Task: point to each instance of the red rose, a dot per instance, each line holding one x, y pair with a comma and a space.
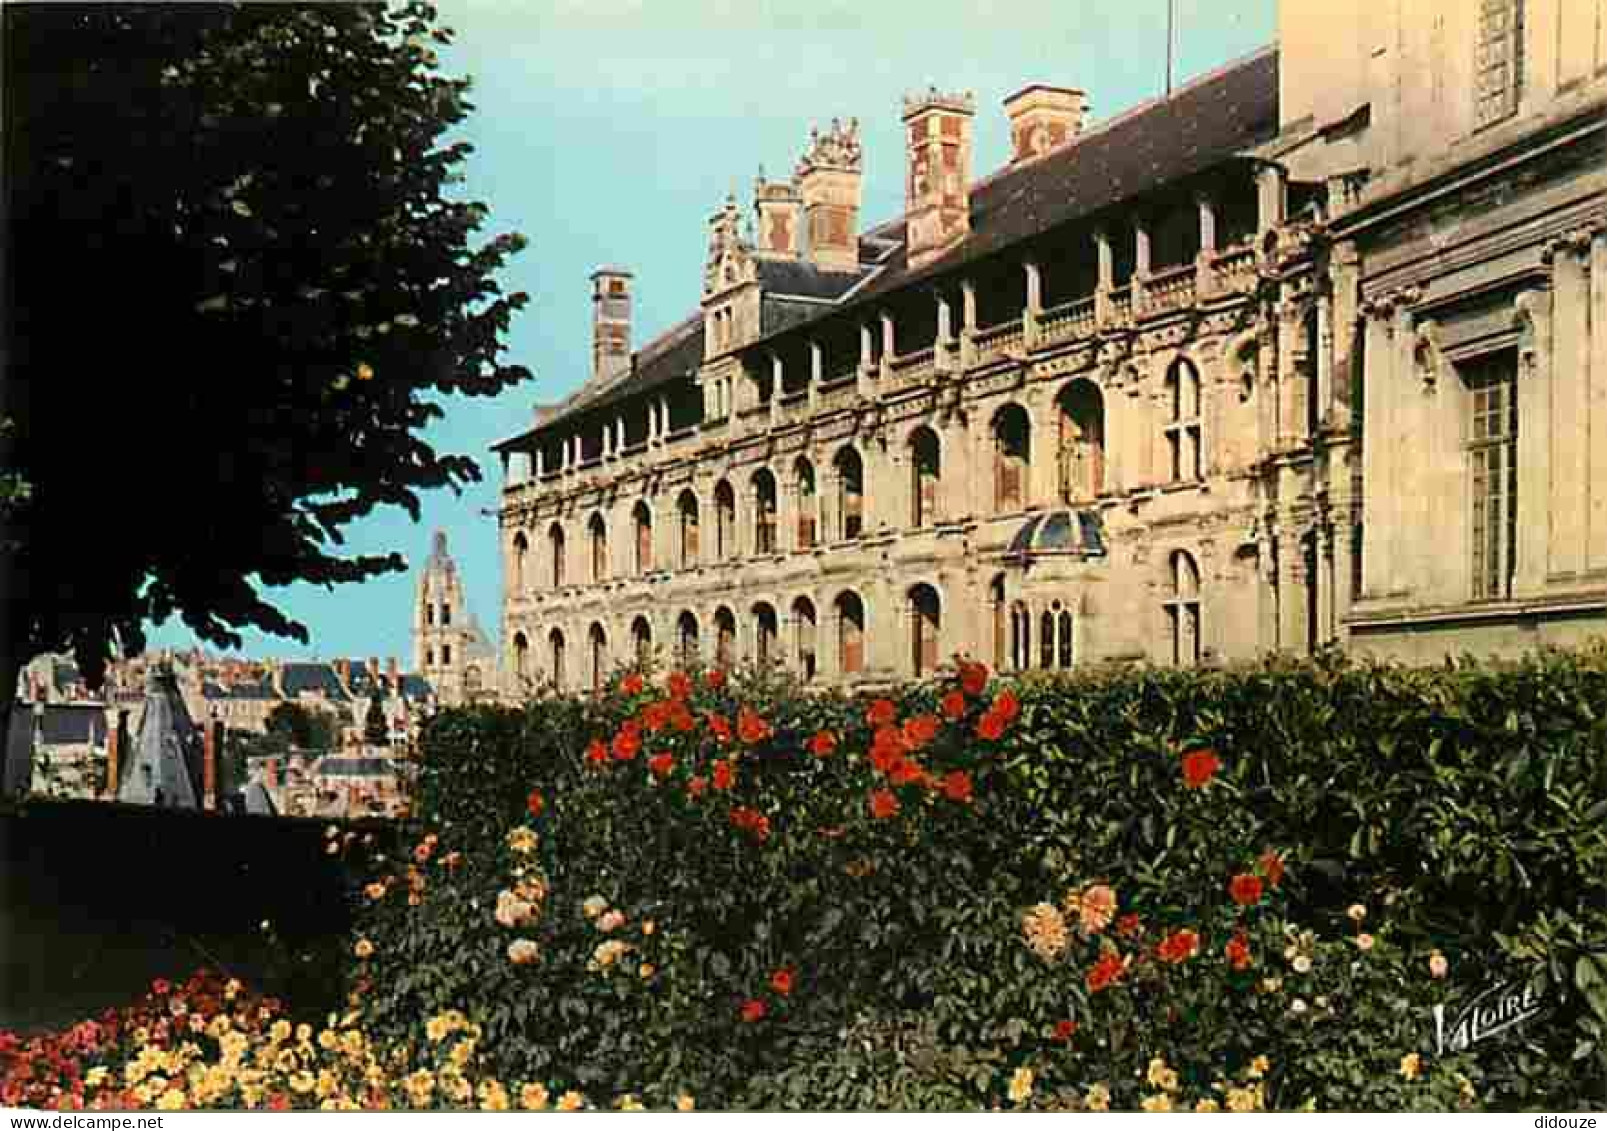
883, 804
1106, 971
1064, 1030
990, 727
753, 1010
661, 765
1007, 706
781, 981
1129, 925
626, 745
535, 803
1238, 952
957, 785
1271, 867
632, 684
881, 713
679, 684
724, 775
953, 706
904, 770
973, 677
656, 716
751, 727
1199, 767
822, 744
1245, 889
681, 719
720, 727
714, 678
920, 730
160, 987
1179, 946
696, 785
597, 752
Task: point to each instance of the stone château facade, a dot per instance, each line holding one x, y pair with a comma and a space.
1313, 350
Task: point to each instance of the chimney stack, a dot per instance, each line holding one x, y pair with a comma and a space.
780, 208
344, 668
392, 676
610, 323
1043, 118
937, 197
828, 179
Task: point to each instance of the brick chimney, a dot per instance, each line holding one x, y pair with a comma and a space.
373, 669
1043, 118
828, 179
270, 773
393, 676
780, 208
344, 669
610, 323
937, 196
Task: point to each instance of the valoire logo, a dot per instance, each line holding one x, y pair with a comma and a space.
1494, 1011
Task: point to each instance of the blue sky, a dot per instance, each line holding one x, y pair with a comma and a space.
608, 131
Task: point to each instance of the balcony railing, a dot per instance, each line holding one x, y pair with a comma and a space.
1235, 268
911, 368
1069, 320
998, 341
1170, 289
1121, 306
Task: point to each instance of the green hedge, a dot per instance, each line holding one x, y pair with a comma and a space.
1461, 809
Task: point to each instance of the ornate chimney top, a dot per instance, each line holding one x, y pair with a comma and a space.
837, 148
963, 102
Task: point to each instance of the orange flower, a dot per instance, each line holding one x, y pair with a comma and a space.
781, 981
1245, 889
696, 785
973, 677
626, 745
679, 685
597, 752
1179, 946
1238, 952
714, 678
882, 713
1106, 972
751, 727
953, 705
632, 684
920, 730
883, 804
1199, 767
1064, 1030
661, 765
1096, 908
957, 785
536, 803
656, 716
1271, 866
725, 775
720, 727
1007, 706
752, 821
753, 1010
990, 727
904, 770
822, 744
886, 749
681, 719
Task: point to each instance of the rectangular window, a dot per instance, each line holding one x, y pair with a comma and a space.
1498, 61
1493, 473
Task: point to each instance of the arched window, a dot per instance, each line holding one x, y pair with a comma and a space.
850, 494
642, 640
521, 655
1046, 640
446, 613
642, 524
725, 521
598, 646
764, 512
1063, 625
808, 503
1082, 442
686, 509
764, 634
686, 640
429, 613
803, 632
925, 473
555, 550
597, 535
555, 650
471, 680
725, 638
429, 657
996, 607
1020, 637
1183, 438
521, 558
926, 626
446, 655
1183, 609
850, 633
1012, 458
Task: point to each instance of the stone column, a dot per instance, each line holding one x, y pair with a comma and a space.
888, 352
1535, 382
1571, 437
817, 372
1140, 263
540, 457
1203, 273
1378, 454
956, 500
866, 359
1103, 315
1034, 307
1596, 378
1269, 198
1266, 588
778, 372
942, 356
968, 323
1324, 359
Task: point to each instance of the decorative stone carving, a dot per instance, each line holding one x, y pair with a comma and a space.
837, 148
1426, 352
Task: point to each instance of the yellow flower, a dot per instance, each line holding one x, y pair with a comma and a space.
365, 371
231, 989
523, 841
1161, 1076
1241, 1099
328, 1084
1096, 908
1438, 967
461, 1053
629, 1102
1045, 929
172, 1100
1162, 1102
1301, 964
1465, 1089
303, 1081
363, 949
375, 891
533, 1097
645, 970
1097, 1098
437, 1027
684, 1102
95, 1077
594, 906
649, 927
328, 1040
1021, 1085
419, 1087
1258, 1067
1356, 912
522, 952
1207, 1105
1411, 1065
285, 1062
571, 1101
493, 1096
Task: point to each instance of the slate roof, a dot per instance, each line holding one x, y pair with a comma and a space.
298, 677
416, 687
164, 763
1206, 123
259, 688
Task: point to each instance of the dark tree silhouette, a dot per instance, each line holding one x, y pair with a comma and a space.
376, 730
236, 279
